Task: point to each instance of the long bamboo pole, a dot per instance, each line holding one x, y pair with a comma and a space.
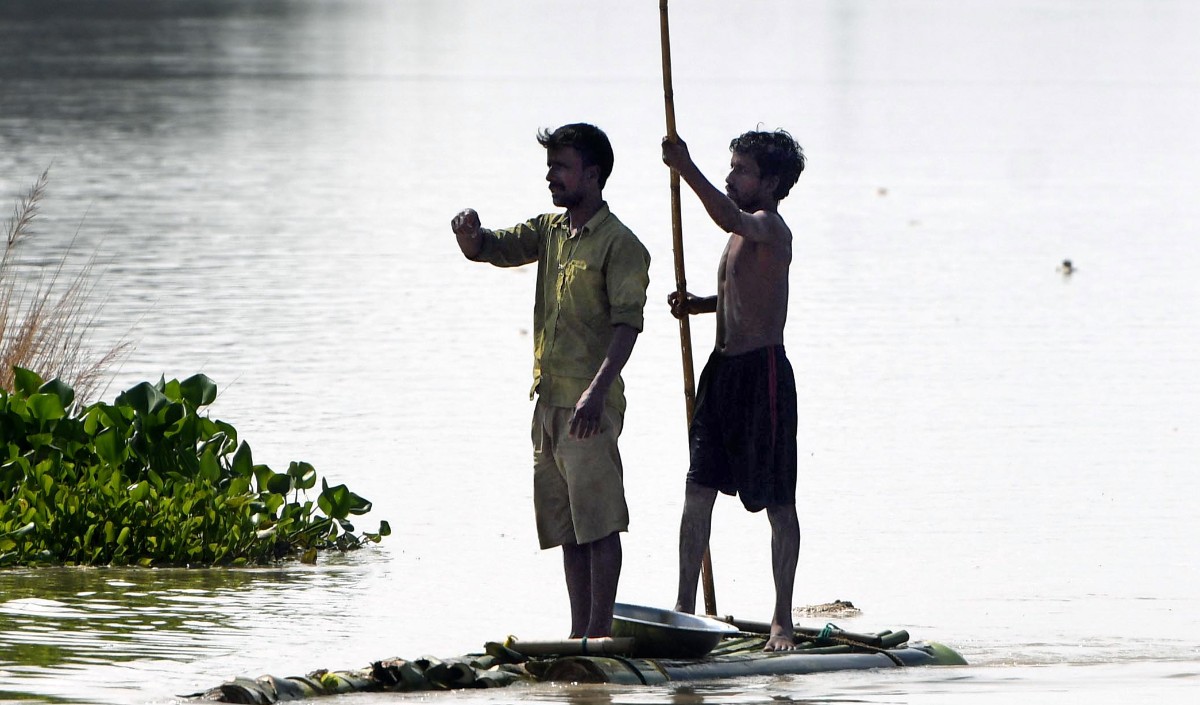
685, 328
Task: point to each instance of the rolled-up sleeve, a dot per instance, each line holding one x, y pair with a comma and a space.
627, 280
512, 247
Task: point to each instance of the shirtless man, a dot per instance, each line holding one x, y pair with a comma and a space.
743, 433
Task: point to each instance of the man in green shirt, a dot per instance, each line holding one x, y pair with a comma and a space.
591, 289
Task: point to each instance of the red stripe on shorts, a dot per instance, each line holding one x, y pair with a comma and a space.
773, 380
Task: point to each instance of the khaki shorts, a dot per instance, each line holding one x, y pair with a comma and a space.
578, 490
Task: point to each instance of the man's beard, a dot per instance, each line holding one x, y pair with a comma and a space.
736, 198
566, 199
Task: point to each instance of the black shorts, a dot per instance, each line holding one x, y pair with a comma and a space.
743, 434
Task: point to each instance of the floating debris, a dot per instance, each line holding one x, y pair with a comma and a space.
840, 609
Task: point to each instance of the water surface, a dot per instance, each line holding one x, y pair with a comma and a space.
992, 455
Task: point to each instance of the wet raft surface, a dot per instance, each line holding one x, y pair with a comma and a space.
503, 664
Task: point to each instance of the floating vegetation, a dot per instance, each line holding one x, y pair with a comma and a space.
151, 480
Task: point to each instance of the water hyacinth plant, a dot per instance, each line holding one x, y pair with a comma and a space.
150, 480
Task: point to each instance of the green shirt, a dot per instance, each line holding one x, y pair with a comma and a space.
585, 285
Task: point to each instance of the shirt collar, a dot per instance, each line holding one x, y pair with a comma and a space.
593, 222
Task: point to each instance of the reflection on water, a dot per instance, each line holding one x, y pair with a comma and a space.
123, 626
118, 614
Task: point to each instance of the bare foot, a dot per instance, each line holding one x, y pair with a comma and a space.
781, 639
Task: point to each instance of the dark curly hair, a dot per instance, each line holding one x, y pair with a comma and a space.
776, 153
590, 141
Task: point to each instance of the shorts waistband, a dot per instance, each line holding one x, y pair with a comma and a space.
756, 352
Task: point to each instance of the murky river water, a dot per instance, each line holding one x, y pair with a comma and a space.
993, 456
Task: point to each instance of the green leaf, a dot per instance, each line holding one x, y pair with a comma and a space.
118, 416
358, 505
26, 381
229, 431
46, 407
139, 491
243, 462
40, 440
335, 501
199, 390
60, 389
239, 486
210, 470
91, 422
110, 446
144, 398
279, 483
170, 389
305, 475
174, 416
262, 477
274, 502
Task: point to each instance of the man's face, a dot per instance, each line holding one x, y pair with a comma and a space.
745, 185
567, 176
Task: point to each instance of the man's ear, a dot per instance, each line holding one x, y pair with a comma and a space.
592, 172
772, 183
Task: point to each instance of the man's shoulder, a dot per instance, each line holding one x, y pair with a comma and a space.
633, 251
773, 220
615, 228
774, 231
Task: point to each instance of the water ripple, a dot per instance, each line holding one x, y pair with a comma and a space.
62, 620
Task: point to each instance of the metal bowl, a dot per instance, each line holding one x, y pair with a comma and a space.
659, 633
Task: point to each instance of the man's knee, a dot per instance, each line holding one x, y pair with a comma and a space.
783, 517
607, 543
698, 495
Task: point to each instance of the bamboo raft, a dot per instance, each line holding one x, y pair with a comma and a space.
607, 660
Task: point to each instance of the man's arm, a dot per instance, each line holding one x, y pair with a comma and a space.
507, 247
759, 227
585, 422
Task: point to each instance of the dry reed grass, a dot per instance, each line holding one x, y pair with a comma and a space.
45, 324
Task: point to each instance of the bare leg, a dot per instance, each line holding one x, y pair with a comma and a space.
606, 572
593, 571
785, 550
577, 565
694, 530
